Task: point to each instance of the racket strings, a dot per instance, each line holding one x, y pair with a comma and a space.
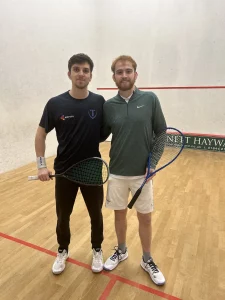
166, 147
90, 172
158, 149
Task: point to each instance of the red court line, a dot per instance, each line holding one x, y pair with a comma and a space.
147, 289
19, 241
113, 277
170, 87
52, 253
108, 289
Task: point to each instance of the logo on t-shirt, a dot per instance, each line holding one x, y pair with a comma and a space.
62, 117
92, 113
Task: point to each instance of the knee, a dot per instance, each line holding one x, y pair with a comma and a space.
63, 220
120, 215
96, 219
144, 219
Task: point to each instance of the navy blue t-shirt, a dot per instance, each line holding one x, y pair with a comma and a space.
77, 123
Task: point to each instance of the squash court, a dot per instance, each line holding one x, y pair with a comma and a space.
179, 48
188, 238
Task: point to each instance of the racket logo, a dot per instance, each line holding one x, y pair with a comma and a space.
92, 113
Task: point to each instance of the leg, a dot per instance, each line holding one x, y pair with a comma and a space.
121, 228
145, 231
144, 206
121, 252
147, 263
93, 197
65, 192
117, 198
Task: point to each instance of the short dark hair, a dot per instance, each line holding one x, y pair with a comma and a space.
80, 58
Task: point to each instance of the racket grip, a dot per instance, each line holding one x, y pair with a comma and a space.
133, 200
35, 177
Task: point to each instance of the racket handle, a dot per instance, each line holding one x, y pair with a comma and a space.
133, 200
35, 177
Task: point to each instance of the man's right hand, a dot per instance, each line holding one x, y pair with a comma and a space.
43, 174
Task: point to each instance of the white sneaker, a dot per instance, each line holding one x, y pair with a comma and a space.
97, 261
113, 261
154, 272
60, 262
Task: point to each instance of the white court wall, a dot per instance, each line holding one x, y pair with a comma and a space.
175, 43
37, 38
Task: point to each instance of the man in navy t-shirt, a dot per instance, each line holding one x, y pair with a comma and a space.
76, 116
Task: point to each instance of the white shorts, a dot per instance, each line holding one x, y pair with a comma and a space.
118, 193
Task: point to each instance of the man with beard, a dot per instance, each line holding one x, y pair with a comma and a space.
76, 116
134, 118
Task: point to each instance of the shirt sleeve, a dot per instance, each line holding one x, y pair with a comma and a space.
47, 120
159, 122
158, 149
159, 129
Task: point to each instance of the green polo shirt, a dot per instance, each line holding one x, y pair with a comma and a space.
133, 126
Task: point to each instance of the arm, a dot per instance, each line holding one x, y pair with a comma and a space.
105, 128
159, 128
43, 172
105, 132
40, 141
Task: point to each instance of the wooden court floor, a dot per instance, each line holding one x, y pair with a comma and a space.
188, 238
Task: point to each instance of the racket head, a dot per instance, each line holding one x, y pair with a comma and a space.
92, 171
166, 150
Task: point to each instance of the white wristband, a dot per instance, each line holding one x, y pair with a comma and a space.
41, 163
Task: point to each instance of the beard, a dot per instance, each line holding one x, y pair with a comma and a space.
125, 85
81, 85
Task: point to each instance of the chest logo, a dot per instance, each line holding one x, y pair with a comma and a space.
140, 106
63, 118
92, 113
